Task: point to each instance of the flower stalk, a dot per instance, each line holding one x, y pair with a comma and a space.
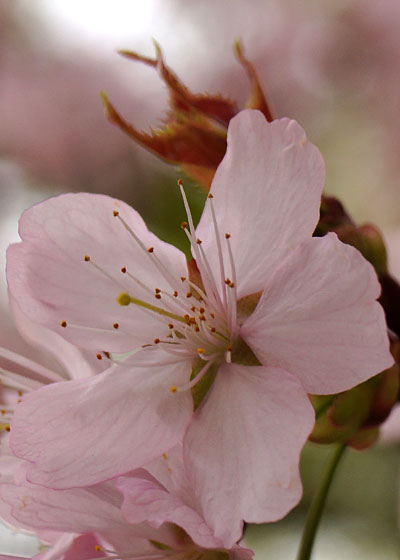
317, 505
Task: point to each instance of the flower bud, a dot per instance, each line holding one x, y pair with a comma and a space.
194, 133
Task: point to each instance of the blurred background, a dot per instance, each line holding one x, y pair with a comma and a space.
334, 66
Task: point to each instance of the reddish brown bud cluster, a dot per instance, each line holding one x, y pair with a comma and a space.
354, 417
194, 134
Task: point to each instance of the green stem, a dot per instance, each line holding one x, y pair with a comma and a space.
317, 505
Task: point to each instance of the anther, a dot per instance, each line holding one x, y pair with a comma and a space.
116, 325
115, 213
164, 456
173, 389
150, 250
7, 428
229, 349
63, 324
201, 309
157, 296
199, 241
123, 299
156, 341
227, 235
170, 326
157, 290
193, 308
189, 295
123, 269
213, 329
184, 225
232, 285
183, 278
97, 548
175, 294
180, 183
86, 258
210, 195
197, 329
202, 317
200, 350
228, 281
99, 356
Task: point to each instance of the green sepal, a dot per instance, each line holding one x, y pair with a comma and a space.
200, 390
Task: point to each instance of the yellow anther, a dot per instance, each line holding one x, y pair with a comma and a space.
63, 324
86, 258
173, 389
124, 299
150, 250
97, 548
164, 456
200, 350
4, 427
199, 241
184, 225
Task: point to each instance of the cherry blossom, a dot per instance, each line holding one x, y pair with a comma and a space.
231, 343
119, 519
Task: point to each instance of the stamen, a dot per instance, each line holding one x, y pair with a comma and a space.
195, 379
219, 248
232, 311
148, 251
85, 327
101, 270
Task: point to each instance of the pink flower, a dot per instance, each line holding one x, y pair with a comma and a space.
116, 518
268, 310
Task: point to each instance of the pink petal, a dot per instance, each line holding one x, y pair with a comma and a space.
242, 448
73, 511
318, 318
267, 194
69, 356
77, 433
146, 500
51, 282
